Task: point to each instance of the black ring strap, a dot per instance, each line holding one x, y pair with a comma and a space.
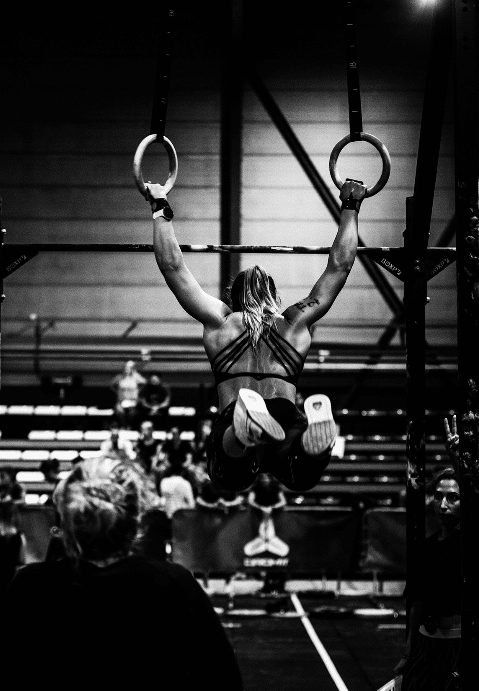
354, 93
162, 79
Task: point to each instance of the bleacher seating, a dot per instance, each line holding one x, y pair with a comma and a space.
369, 463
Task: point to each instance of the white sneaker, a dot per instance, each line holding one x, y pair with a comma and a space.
321, 433
252, 423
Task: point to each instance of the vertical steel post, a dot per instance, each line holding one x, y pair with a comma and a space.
416, 235
467, 266
231, 139
415, 287
2, 296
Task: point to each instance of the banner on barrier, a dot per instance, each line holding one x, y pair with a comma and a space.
300, 540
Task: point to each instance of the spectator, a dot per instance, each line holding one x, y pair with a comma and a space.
12, 543
452, 442
98, 605
176, 448
10, 489
154, 399
51, 472
147, 447
195, 471
176, 491
126, 386
160, 467
117, 445
433, 647
204, 431
213, 497
266, 494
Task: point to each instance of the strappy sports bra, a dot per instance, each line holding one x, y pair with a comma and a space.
283, 352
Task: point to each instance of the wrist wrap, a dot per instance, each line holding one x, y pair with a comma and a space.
351, 203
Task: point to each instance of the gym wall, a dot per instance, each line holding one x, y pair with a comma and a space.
77, 101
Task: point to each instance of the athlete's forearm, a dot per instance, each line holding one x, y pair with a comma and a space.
345, 245
167, 250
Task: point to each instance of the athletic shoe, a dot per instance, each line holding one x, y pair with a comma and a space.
252, 423
321, 434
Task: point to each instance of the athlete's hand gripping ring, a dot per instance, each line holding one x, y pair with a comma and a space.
378, 145
173, 162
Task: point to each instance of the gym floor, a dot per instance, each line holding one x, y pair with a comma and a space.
341, 643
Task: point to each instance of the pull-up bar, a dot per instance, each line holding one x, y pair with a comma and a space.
240, 249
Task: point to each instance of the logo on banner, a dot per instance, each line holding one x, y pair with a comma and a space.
265, 544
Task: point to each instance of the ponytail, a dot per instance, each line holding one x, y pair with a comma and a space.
254, 293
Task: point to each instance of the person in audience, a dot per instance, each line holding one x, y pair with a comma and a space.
452, 442
195, 471
147, 447
160, 467
432, 657
212, 497
203, 432
176, 491
97, 607
117, 444
267, 497
126, 386
176, 448
266, 494
153, 399
51, 472
12, 543
10, 489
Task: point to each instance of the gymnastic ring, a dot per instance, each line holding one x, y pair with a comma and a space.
378, 145
172, 157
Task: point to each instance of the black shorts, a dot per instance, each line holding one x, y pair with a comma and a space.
286, 460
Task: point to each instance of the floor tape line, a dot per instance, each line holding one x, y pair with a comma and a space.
328, 663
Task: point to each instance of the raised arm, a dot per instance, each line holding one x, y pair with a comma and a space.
194, 300
452, 442
340, 262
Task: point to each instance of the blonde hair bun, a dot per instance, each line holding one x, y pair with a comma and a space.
101, 503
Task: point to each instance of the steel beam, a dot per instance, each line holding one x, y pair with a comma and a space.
416, 236
415, 293
466, 118
2, 297
231, 137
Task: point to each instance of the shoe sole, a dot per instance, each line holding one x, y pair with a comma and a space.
321, 432
252, 406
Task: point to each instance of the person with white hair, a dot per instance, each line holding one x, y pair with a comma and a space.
127, 385
106, 616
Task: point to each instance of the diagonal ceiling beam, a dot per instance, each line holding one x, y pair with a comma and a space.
374, 272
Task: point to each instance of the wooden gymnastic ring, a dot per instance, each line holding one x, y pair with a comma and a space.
378, 145
172, 157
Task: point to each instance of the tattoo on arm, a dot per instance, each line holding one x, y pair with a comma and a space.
312, 302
